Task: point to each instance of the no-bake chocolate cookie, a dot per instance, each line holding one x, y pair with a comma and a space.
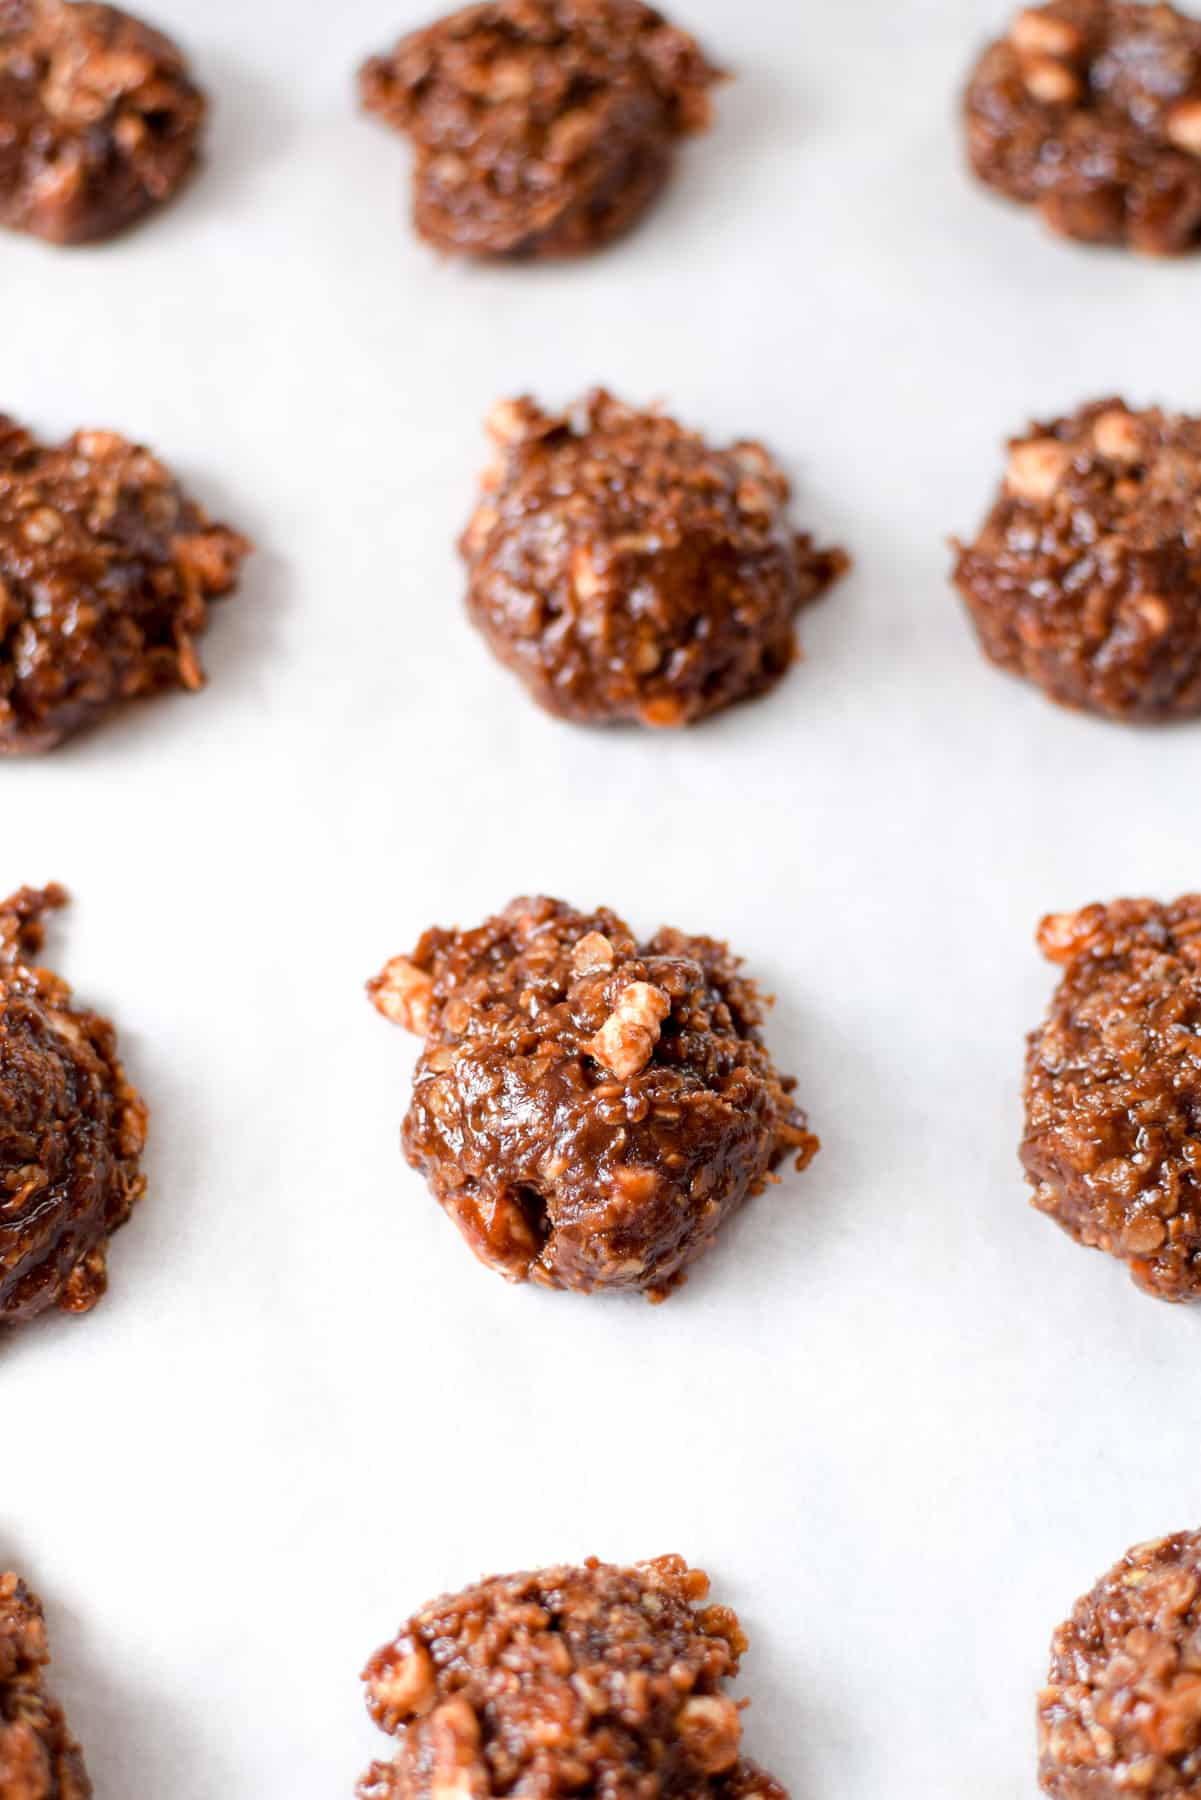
39, 1759
593, 1680
1086, 576
1121, 1713
1091, 111
106, 573
541, 127
588, 1109
1113, 1088
71, 1129
626, 570
99, 119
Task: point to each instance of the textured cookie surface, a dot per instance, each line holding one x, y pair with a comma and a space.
1113, 1088
106, 573
1086, 576
39, 1759
588, 1109
99, 119
71, 1129
596, 1679
540, 127
1090, 110
627, 571
1121, 1713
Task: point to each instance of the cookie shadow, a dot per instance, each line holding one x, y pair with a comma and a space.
776, 1723
756, 105
238, 648
789, 1230
723, 180
249, 129
11, 1549
717, 178
131, 1742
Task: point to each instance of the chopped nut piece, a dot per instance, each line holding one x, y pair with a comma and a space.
1143, 1236
403, 993
1184, 126
1062, 936
454, 1737
42, 526
403, 1686
94, 446
629, 571
1116, 435
509, 421
626, 1041
191, 674
563, 1172
1036, 469
1036, 32
1050, 81
712, 1731
664, 714
572, 1681
512, 78
587, 583
541, 127
1155, 613
757, 497
593, 952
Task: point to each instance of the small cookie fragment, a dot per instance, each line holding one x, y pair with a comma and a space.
39, 1759
1090, 110
1113, 1088
107, 569
541, 128
1121, 1713
1086, 575
625, 570
588, 1109
589, 1680
99, 119
71, 1129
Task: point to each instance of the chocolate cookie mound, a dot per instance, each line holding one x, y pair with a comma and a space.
625, 570
1113, 1088
588, 1109
593, 1680
1086, 577
541, 127
1091, 111
71, 1129
1121, 1712
99, 120
106, 572
39, 1759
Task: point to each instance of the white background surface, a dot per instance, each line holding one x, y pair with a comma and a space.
900, 1419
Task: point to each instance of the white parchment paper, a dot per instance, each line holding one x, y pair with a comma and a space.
901, 1420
